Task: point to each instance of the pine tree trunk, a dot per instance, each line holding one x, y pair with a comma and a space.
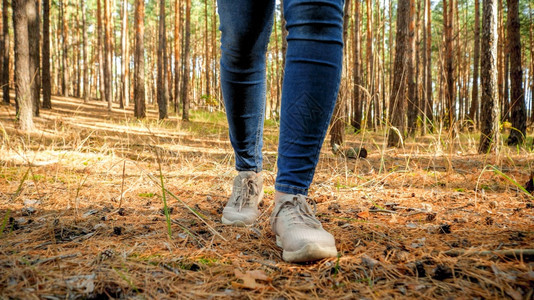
518, 109
177, 44
85, 80
107, 54
22, 65
489, 114
139, 61
370, 64
207, 58
473, 111
428, 119
531, 73
185, 81
46, 80
448, 16
162, 96
4, 52
337, 130
34, 40
100, 52
412, 107
64, 43
125, 95
356, 120
397, 102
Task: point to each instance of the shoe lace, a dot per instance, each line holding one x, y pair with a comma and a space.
299, 211
249, 189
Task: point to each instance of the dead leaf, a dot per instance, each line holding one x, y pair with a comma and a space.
249, 279
363, 214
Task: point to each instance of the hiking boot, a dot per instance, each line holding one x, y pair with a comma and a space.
298, 232
242, 207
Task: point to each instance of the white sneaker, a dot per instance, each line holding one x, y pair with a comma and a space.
242, 207
298, 232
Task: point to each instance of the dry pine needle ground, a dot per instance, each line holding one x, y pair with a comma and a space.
82, 216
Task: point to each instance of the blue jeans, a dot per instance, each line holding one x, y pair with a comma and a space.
310, 87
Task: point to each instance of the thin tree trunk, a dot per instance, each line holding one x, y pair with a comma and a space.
139, 61
22, 66
370, 64
489, 115
107, 54
162, 96
448, 16
5, 52
206, 51
185, 81
412, 107
100, 52
177, 59
518, 109
64, 42
356, 120
531, 71
428, 102
125, 95
46, 80
397, 111
34, 41
473, 111
337, 131
85, 81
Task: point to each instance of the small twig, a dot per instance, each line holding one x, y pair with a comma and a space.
378, 210
59, 257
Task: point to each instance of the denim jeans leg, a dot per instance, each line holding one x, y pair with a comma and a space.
245, 30
310, 88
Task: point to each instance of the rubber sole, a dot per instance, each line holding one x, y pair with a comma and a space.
309, 252
237, 223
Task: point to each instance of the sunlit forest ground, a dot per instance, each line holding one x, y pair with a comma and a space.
81, 214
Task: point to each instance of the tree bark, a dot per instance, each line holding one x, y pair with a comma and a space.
22, 65
4, 48
413, 106
517, 103
177, 44
448, 17
397, 110
85, 80
125, 94
108, 85
207, 58
185, 81
162, 94
473, 111
428, 100
337, 130
370, 65
356, 120
489, 115
64, 43
46, 80
35, 62
139, 61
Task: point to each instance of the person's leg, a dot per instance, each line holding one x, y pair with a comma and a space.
311, 84
245, 30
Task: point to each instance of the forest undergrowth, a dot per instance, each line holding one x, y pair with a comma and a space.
82, 214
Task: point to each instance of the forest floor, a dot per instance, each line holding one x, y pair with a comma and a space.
81, 214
